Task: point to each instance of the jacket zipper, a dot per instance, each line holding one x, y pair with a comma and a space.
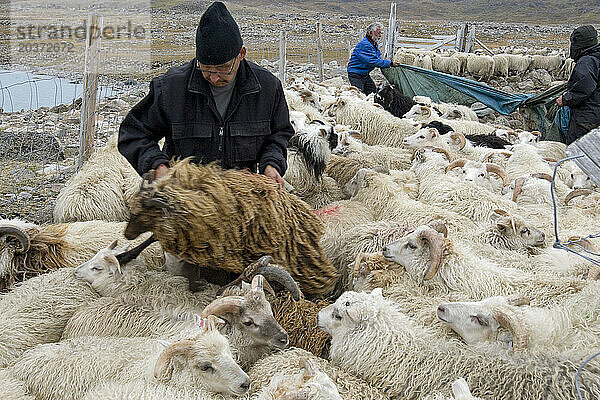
221, 139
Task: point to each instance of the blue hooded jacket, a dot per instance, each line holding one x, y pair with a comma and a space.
365, 57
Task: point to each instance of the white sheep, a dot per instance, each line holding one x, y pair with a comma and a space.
481, 67
37, 310
136, 283
449, 65
438, 188
479, 173
68, 369
518, 63
142, 390
376, 125
500, 65
296, 102
460, 391
290, 363
385, 156
571, 325
100, 190
374, 340
310, 383
11, 388
27, 249
551, 64
109, 316
389, 201
443, 265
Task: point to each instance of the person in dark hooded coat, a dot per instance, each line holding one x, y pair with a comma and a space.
583, 88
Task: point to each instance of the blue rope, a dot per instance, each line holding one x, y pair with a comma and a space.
579, 373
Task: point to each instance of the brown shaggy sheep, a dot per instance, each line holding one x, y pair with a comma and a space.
227, 219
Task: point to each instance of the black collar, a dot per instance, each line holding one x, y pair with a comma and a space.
246, 81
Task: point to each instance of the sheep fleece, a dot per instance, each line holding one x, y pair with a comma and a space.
230, 218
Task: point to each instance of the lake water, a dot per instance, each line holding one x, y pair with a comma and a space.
23, 90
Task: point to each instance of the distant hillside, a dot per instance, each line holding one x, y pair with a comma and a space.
533, 11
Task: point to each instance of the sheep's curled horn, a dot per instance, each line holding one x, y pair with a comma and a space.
283, 277
577, 193
456, 163
515, 325
518, 188
489, 155
460, 137
496, 169
19, 234
436, 249
542, 176
266, 267
224, 305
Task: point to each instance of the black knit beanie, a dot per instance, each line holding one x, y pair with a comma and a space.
218, 37
582, 38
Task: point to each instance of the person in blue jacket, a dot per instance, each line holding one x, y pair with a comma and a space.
365, 57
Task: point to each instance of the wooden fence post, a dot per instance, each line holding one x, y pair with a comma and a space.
282, 57
320, 51
391, 33
87, 123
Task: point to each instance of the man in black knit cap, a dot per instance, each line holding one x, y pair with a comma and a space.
583, 87
219, 106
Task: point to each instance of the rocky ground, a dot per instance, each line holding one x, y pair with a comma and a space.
39, 148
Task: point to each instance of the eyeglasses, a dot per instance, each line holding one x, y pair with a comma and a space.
222, 70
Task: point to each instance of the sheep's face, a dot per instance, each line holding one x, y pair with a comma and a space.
310, 383
525, 137
348, 141
103, 264
515, 230
358, 181
474, 322
350, 310
256, 320
581, 181
407, 251
418, 112
147, 206
423, 137
297, 119
475, 172
205, 361
421, 252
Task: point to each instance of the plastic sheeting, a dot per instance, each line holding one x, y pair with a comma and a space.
440, 87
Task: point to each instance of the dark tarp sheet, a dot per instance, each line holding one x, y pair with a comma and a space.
440, 87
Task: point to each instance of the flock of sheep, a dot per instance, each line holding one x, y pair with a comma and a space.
408, 256
508, 61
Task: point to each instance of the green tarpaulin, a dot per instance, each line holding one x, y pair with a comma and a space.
440, 87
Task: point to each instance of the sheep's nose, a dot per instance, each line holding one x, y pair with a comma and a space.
441, 309
284, 340
245, 385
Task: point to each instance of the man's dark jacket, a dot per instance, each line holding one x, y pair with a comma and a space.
583, 94
180, 107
